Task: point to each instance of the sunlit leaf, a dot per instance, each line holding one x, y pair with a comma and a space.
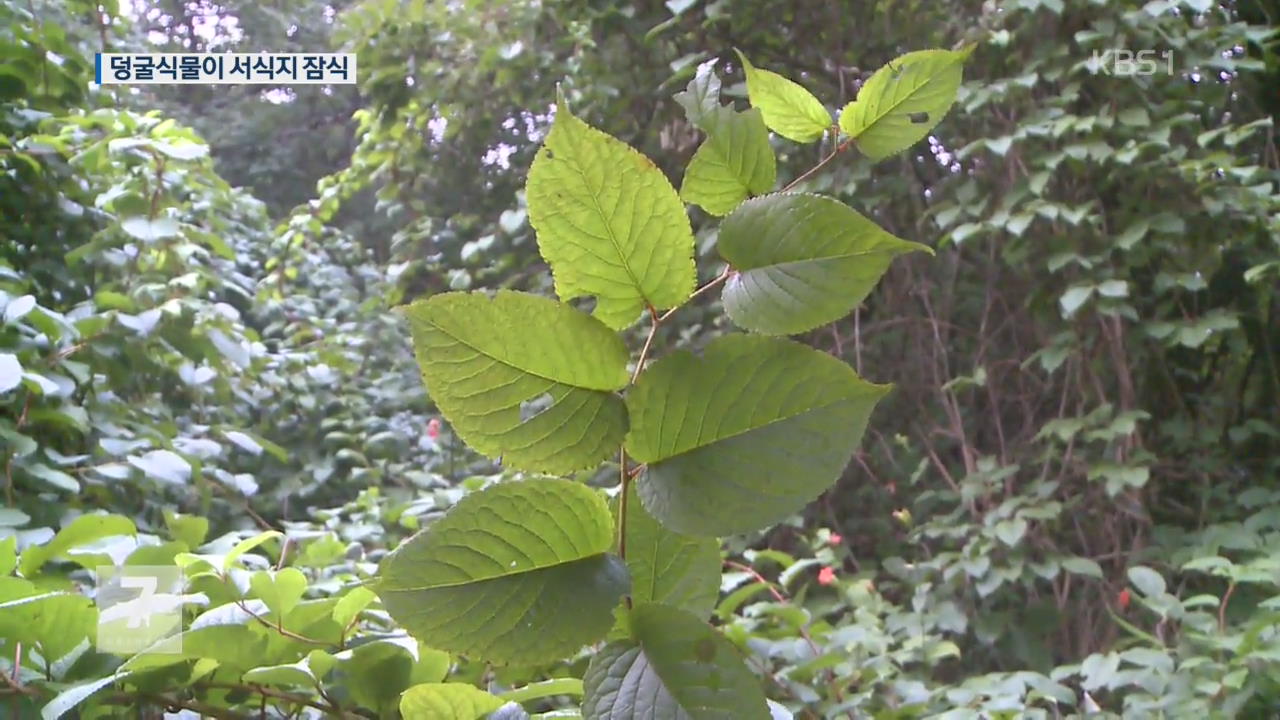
788, 109
608, 223
523, 377
903, 101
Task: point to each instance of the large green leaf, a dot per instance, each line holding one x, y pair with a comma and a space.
608, 223
788, 109
802, 261
669, 568
676, 667
745, 435
903, 101
81, 531
516, 573
735, 161
523, 377
446, 701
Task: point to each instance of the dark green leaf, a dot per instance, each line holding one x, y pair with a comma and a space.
745, 435
493, 577
676, 666
802, 261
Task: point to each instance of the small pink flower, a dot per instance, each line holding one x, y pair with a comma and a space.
835, 539
826, 576
433, 428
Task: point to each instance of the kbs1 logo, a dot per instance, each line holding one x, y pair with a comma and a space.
1122, 62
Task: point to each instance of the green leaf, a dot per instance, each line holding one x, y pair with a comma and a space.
298, 674
189, 529
183, 150
150, 230
246, 545
544, 689
280, 590
523, 377
1149, 582
1073, 298
164, 465
13, 517
81, 531
10, 372
745, 435
54, 623
494, 576
608, 223
675, 667
53, 476
1082, 566
802, 261
350, 606
701, 98
1011, 531
68, 699
682, 571
788, 109
903, 101
379, 671
446, 701
8, 555
733, 163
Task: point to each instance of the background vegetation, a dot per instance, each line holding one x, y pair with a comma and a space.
1068, 505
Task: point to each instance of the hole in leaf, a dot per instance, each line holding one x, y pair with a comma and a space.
583, 304
531, 407
918, 117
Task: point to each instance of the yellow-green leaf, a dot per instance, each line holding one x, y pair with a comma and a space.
523, 377
788, 109
608, 223
903, 101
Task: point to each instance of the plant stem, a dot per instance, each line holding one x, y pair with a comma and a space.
622, 505
839, 149
719, 279
648, 343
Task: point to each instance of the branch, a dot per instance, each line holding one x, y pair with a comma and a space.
280, 628
839, 149
719, 279
648, 342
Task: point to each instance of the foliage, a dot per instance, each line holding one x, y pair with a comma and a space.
731, 442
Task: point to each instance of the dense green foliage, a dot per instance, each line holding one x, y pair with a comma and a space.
1065, 506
